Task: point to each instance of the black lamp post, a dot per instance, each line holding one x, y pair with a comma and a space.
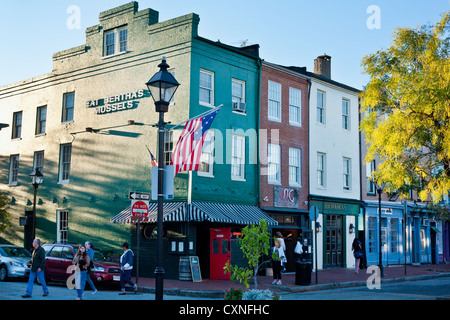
162, 87
36, 179
380, 257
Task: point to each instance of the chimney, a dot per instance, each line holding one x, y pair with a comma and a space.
322, 66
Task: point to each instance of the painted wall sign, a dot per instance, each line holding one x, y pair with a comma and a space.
117, 102
285, 197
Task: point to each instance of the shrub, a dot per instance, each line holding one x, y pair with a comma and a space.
260, 295
234, 293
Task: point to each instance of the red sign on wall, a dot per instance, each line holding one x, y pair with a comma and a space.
139, 210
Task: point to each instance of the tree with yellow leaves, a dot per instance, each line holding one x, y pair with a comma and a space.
406, 108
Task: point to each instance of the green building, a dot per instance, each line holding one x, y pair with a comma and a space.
87, 125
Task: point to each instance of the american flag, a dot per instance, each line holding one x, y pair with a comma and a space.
186, 155
154, 162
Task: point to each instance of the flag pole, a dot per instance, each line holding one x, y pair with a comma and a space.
198, 116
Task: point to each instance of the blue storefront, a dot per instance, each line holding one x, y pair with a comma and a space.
418, 241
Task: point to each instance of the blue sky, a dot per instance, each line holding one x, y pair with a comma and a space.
290, 32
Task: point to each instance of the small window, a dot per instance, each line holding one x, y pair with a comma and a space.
206, 88
207, 156
17, 125
238, 90
294, 167
68, 107
115, 41
41, 120
295, 107
274, 160
274, 103
62, 231
321, 107
39, 161
168, 147
345, 114
64, 163
238, 158
321, 170
13, 169
347, 167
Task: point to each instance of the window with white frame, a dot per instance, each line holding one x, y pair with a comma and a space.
62, 232
206, 88
64, 163
168, 147
41, 120
13, 169
347, 168
274, 103
370, 168
17, 125
238, 158
321, 107
39, 161
206, 168
238, 90
295, 107
321, 169
68, 107
345, 114
115, 41
294, 167
274, 161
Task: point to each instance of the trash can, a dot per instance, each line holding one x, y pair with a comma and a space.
303, 273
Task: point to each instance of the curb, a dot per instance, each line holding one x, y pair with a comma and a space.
287, 289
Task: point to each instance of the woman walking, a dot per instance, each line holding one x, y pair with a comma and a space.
126, 265
82, 261
357, 253
277, 257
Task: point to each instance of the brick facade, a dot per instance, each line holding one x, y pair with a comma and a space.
289, 136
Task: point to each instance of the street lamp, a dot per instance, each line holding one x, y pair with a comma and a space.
36, 179
162, 87
380, 257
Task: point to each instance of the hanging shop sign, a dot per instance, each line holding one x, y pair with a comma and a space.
118, 102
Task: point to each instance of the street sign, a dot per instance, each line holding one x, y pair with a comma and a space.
134, 195
139, 210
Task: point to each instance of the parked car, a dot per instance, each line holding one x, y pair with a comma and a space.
59, 256
13, 262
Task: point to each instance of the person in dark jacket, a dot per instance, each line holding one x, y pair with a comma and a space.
37, 269
126, 265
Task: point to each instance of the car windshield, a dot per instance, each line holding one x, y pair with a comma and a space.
98, 256
16, 252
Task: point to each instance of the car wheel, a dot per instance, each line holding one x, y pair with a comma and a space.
3, 273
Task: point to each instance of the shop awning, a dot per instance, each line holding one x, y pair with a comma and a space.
173, 212
228, 213
200, 212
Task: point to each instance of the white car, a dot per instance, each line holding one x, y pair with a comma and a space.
13, 262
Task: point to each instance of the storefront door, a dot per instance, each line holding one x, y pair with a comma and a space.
334, 241
219, 252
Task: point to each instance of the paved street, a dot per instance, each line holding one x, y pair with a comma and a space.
13, 290
408, 290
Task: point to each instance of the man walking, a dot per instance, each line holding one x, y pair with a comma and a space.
90, 252
37, 269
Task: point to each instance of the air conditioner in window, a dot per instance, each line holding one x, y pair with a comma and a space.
239, 106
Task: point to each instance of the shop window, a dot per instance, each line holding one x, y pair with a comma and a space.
394, 235
372, 235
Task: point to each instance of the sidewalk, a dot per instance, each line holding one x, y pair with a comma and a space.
327, 279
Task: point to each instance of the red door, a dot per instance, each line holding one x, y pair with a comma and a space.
219, 253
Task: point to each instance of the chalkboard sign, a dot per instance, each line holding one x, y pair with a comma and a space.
195, 269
